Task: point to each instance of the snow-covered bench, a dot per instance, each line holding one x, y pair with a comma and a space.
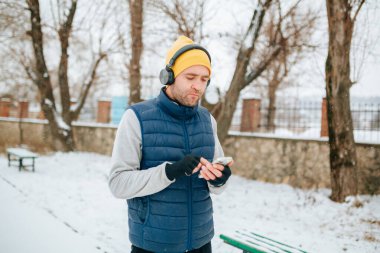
252, 242
19, 155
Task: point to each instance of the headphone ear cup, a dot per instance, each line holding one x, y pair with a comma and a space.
163, 76
166, 76
170, 76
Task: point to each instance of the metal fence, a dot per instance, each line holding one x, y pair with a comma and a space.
366, 121
303, 119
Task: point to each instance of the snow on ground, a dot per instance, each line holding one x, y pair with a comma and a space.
25, 228
68, 195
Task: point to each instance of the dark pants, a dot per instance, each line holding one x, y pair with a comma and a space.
204, 249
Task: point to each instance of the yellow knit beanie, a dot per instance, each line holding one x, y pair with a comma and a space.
187, 59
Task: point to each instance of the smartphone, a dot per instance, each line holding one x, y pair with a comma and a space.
223, 160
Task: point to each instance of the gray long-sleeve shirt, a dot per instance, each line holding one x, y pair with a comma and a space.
126, 180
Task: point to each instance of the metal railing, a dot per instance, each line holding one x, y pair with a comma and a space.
304, 119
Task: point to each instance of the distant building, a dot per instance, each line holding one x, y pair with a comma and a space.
119, 104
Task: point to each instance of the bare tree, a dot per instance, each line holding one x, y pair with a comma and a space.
59, 122
251, 62
187, 15
274, 76
12, 52
136, 14
341, 16
188, 18
224, 109
300, 25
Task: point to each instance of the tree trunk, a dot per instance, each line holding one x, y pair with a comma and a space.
224, 109
343, 159
21, 131
227, 106
273, 85
271, 108
59, 130
64, 35
136, 13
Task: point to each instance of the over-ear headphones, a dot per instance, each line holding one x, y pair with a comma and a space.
167, 74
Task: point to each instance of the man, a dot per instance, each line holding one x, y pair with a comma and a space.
161, 159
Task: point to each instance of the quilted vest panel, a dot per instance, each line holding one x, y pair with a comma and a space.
178, 218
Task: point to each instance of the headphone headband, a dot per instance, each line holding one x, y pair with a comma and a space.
167, 75
185, 49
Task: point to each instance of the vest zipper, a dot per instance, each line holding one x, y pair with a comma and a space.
190, 192
190, 214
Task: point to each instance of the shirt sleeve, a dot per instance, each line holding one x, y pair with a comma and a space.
126, 180
217, 153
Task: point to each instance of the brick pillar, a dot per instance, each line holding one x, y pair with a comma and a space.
23, 109
5, 105
324, 123
250, 116
104, 111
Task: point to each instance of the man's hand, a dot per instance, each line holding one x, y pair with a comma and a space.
185, 167
216, 174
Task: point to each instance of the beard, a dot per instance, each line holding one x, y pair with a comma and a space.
185, 97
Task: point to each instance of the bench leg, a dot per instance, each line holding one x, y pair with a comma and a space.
9, 160
33, 164
20, 164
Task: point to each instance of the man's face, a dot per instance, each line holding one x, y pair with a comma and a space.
189, 85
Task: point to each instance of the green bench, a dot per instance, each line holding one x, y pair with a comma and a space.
19, 155
255, 243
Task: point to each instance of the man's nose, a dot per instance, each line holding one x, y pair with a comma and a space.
197, 84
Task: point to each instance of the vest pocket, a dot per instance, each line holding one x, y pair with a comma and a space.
138, 209
143, 209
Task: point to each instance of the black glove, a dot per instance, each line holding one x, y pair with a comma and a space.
183, 167
219, 181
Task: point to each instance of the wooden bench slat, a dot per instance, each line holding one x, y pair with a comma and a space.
283, 246
252, 242
258, 246
240, 245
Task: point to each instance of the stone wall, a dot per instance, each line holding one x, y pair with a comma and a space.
300, 163
35, 134
94, 137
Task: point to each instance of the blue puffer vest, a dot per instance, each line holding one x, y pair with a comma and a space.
178, 218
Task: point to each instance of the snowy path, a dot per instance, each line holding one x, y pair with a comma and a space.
25, 228
66, 205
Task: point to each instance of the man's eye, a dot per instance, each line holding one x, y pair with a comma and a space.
190, 78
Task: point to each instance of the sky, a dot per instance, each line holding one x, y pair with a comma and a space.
66, 205
223, 17
309, 77
232, 17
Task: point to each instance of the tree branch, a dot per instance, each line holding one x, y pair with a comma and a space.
29, 73
256, 24
357, 11
254, 74
75, 113
43, 79
64, 35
